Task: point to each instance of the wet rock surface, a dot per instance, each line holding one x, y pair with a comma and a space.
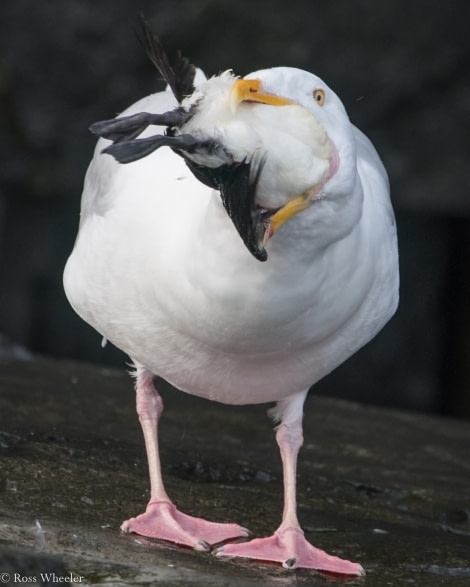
389, 489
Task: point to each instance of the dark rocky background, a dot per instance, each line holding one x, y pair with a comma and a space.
400, 67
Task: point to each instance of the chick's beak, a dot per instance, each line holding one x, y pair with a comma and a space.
282, 215
251, 90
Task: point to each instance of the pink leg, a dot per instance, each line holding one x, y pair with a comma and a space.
161, 519
288, 544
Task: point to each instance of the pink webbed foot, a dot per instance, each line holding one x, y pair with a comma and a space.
163, 521
290, 548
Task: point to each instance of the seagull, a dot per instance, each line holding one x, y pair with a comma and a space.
236, 239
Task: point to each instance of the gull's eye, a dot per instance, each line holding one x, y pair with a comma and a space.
319, 96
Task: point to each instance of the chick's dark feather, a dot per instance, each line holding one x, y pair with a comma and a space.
180, 74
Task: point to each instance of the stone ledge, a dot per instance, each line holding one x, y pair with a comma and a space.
384, 487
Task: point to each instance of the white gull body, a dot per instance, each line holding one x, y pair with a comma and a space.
159, 270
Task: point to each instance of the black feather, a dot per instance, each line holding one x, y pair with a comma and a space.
237, 183
179, 75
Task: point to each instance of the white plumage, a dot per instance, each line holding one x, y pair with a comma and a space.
159, 269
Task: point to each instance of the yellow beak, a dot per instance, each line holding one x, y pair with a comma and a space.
250, 90
289, 210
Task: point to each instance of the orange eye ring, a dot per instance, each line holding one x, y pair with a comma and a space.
319, 96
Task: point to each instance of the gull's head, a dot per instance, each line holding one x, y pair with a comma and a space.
271, 142
285, 124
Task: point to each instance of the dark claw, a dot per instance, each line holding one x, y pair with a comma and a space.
127, 128
133, 150
127, 151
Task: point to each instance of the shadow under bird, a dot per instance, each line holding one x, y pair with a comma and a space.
236, 239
